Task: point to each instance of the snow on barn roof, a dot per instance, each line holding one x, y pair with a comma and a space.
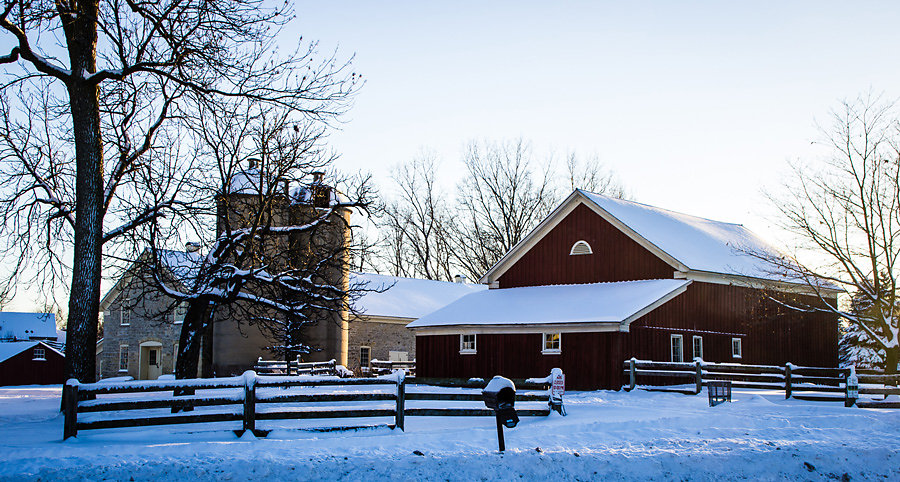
618, 302
9, 349
27, 326
699, 244
406, 297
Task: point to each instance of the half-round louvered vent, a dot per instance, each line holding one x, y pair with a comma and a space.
581, 247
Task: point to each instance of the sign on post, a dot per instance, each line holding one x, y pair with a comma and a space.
557, 390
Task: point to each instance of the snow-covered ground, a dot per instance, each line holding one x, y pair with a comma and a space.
607, 435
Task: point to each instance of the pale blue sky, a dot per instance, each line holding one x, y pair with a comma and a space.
696, 105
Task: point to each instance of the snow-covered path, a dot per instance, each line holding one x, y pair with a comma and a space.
607, 435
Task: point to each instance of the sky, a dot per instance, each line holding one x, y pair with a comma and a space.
696, 106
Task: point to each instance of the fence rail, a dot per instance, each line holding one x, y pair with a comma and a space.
295, 367
380, 367
804, 383
251, 398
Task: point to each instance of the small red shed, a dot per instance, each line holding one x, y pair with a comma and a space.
30, 363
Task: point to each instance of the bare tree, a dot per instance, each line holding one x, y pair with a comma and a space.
277, 237
591, 175
501, 198
845, 211
417, 226
129, 63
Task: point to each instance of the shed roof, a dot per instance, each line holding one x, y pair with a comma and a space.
619, 302
9, 349
406, 297
27, 326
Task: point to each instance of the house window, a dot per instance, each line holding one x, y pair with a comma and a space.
552, 344
736, 351
174, 355
467, 343
677, 348
125, 313
180, 312
365, 357
581, 247
39, 354
698, 347
123, 358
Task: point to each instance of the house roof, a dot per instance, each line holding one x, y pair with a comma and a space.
183, 265
619, 302
9, 349
406, 297
27, 326
690, 244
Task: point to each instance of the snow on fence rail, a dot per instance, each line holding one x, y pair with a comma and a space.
382, 367
251, 397
296, 367
804, 383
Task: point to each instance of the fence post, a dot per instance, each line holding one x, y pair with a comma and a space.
250, 400
401, 403
631, 375
70, 408
698, 364
787, 381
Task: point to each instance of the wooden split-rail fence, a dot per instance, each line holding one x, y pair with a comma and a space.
799, 382
295, 367
381, 367
252, 398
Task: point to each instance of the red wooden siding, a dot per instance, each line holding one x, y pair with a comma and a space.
770, 335
616, 256
587, 359
22, 369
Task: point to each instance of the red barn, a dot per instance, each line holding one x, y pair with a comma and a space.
30, 363
601, 280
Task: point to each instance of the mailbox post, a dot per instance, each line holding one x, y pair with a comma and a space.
500, 396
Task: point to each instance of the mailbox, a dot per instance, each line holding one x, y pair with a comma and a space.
500, 396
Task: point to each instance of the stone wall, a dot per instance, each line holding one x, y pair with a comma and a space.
150, 317
382, 336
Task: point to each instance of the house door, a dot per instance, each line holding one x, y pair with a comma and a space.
151, 361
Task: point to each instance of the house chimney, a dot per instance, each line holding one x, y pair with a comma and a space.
192, 247
252, 162
318, 177
460, 279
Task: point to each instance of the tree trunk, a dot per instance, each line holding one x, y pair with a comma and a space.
189, 344
891, 358
84, 297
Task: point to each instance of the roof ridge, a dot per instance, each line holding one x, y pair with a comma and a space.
659, 208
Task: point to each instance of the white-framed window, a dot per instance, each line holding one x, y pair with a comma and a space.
677, 348
123, 358
365, 356
580, 247
179, 312
736, 351
125, 312
467, 343
698, 346
552, 344
39, 354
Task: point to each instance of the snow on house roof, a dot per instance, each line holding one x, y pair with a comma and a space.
184, 265
618, 302
699, 244
406, 297
9, 349
27, 326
